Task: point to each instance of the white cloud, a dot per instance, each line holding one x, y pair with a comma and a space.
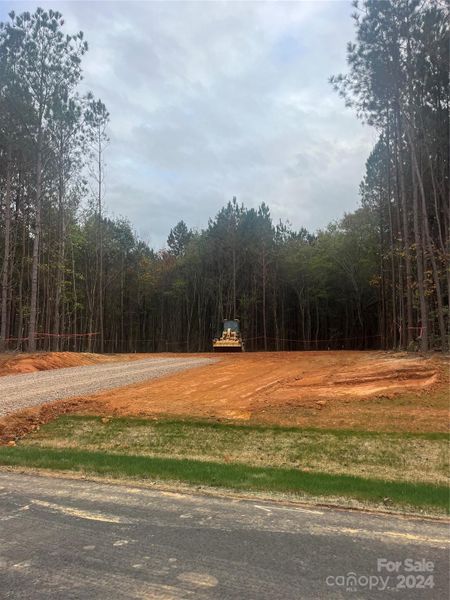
214, 99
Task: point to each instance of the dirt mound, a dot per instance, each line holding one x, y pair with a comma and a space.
11, 364
13, 427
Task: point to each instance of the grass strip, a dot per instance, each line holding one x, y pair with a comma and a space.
390, 457
231, 476
164, 422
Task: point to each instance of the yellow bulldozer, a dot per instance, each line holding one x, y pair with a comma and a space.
230, 339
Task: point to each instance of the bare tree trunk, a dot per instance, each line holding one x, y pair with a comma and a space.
36, 248
316, 335
430, 247
100, 234
393, 295
391, 238
20, 291
264, 277
122, 285
275, 317
60, 268
234, 284
406, 244
401, 278
90, 295
420, 269
6, 259
75, 301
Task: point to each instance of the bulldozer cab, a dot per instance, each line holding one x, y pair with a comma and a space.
230, 339
232, 326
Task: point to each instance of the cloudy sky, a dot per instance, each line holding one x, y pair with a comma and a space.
211, 100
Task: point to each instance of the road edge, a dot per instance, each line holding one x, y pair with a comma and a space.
223, 493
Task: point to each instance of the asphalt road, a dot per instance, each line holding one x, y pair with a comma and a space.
67, 539
30, 389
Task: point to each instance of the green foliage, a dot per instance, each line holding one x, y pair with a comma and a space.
397, 81
179, 238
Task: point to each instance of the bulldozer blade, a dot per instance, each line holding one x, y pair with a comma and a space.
227, 349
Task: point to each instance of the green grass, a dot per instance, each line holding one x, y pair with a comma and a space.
414, 458
230, 476
411, 470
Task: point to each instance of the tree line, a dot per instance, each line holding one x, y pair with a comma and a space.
398, 82
72, 278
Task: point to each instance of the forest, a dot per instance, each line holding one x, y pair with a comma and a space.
72, 278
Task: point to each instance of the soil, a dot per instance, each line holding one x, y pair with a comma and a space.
377, 391
14, 363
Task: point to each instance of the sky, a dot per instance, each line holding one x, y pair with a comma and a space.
210, 100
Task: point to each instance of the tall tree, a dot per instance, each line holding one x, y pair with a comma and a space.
397, 84
97, 119
48, 64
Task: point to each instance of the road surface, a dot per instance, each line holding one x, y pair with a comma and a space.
66, 539
31, 389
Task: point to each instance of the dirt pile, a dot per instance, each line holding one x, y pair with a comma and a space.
17, 425
10, 364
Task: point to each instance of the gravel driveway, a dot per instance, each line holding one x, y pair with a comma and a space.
31, 389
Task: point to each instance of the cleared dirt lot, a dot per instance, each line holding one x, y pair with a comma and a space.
372, 391
366, 390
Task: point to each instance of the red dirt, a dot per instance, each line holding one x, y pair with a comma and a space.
280, 387
12, 364
349, 390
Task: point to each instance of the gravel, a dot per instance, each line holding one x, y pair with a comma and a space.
18, 392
